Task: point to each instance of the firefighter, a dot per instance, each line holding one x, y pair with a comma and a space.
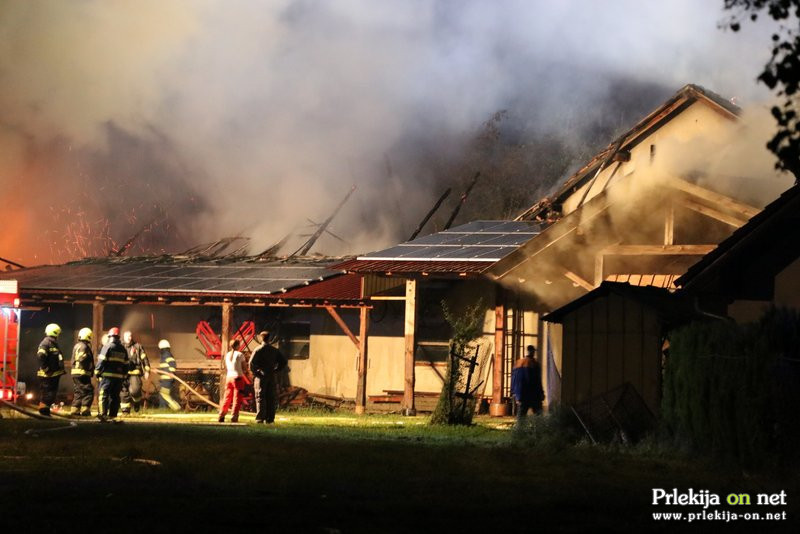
139, 367
51, 367
82, 368
166, 382
111, 370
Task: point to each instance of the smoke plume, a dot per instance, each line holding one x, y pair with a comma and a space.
183, 122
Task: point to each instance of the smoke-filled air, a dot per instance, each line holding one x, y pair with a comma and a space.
157, 126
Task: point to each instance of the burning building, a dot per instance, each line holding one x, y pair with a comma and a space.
370, 329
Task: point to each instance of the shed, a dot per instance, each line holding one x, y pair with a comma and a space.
614, 335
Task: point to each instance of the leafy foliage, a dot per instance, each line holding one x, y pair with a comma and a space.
782, 72
452, 408
732, 390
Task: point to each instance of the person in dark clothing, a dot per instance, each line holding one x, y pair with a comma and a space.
51, 367
526, 384
139, 368
112, 368
265, 364
82, 370
166, 383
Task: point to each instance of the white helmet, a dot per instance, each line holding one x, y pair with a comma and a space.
85, 334
163, 344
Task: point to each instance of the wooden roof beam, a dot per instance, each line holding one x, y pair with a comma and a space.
722, 201
732, 220
575, 279
656, 250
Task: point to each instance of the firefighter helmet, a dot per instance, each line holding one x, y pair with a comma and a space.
163, 344
85, 334
52, 330
113, 331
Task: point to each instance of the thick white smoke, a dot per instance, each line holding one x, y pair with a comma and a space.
249, 116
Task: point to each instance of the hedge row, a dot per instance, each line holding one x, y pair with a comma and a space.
734, 390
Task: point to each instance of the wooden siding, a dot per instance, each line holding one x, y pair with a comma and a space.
607, 343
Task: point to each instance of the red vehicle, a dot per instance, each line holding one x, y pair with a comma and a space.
9, 339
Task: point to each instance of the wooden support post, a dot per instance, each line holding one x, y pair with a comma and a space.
408, 407
361, 386
498, 408
227, 332
669, 224
97, 325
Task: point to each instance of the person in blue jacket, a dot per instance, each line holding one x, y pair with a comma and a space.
526, 384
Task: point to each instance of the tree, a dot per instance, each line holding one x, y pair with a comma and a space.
781, 73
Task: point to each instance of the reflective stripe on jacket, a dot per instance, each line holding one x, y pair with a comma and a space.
82, 359
139, 363
112, 362
51, 361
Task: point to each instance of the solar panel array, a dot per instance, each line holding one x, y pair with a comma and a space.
150, 277
475, 241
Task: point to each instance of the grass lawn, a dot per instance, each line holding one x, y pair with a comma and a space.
315, 472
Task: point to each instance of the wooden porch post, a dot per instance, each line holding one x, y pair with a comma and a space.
498, 408
361, 385
227, 332
408, 407
97, 325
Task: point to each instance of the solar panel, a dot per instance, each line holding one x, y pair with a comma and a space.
478, 240
475, 226
138, 276
507, 240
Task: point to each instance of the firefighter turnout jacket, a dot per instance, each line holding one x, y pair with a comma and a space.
138, 361
51, 361
112, 362
167, 363
82, 359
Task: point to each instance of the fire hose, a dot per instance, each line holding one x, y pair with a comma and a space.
194, 391
32, 415
34, 432
190, 388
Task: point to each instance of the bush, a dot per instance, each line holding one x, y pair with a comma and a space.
731, 390
454, 408
556, 430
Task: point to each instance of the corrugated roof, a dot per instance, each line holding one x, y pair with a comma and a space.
344, 287
656, 280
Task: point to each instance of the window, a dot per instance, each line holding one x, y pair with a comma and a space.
295, 340
431, 352
433, 331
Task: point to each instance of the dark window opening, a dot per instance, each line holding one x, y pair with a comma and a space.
296, 340
431, 352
